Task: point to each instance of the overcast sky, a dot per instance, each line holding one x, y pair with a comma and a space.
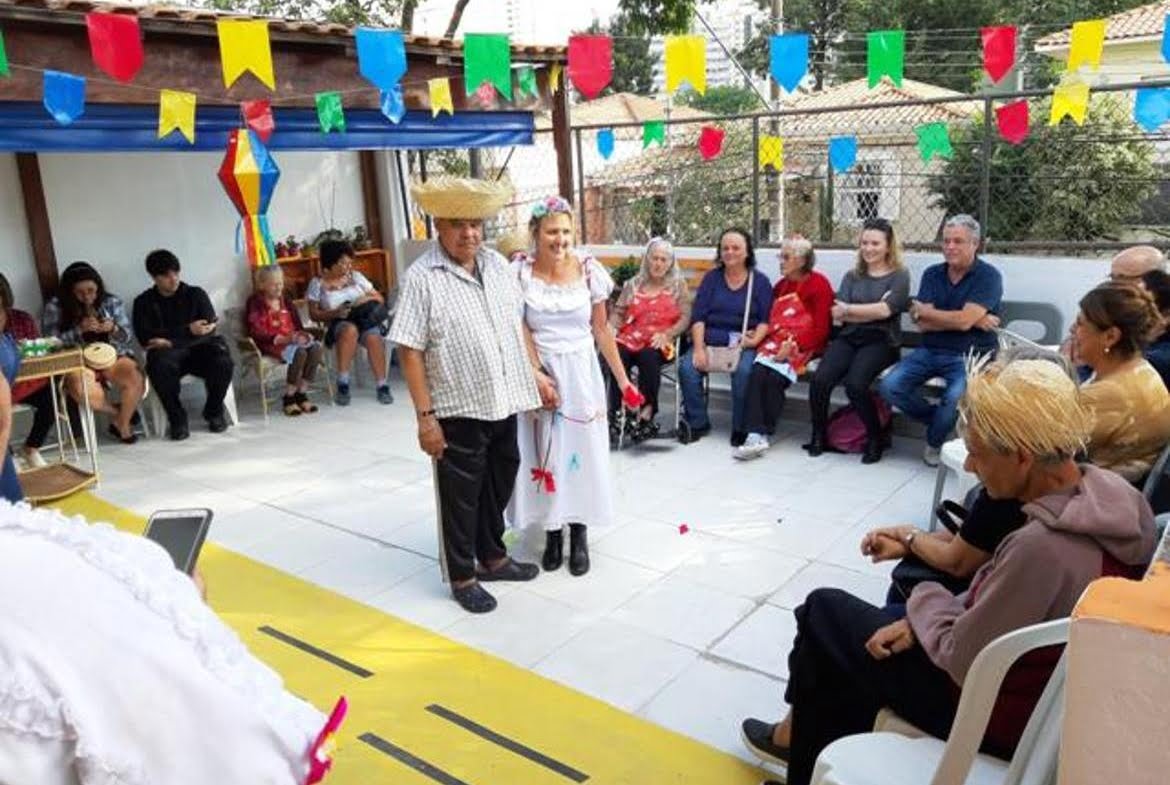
541, 21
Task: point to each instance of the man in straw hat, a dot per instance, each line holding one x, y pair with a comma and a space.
1023, 422
463, 353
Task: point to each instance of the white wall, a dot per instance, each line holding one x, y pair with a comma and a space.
16, 257
112, 209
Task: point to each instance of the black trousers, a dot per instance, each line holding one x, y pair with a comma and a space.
210, 360
765, 399
857, 363
649, 364
475, 478
836, 688
42, 403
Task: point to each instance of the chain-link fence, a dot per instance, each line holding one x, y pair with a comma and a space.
1064, 188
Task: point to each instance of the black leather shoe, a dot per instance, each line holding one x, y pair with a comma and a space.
738, 438
688, 434
474, 598
217, 424
816, 445
578, 549
554, 550
873, 450
179, 432
757, 737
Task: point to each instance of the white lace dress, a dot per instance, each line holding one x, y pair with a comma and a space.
564, 455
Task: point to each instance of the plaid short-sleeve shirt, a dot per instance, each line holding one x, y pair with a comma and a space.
468, 328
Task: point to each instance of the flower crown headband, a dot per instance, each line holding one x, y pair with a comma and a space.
552, 204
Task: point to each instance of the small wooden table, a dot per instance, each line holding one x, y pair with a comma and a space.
60, 479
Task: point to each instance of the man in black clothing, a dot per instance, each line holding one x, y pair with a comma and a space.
175, 323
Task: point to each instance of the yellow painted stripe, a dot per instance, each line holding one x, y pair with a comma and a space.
415, 668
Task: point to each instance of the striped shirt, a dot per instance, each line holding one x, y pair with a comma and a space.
468, 328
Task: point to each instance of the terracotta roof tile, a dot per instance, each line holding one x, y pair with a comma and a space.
1145, 21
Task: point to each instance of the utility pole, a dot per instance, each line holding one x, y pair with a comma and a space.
775, 190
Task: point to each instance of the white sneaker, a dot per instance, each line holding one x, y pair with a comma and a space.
930, 455
754, 446
31, 458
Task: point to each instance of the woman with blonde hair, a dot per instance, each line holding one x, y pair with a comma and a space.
652, 311
275, 326
869, 306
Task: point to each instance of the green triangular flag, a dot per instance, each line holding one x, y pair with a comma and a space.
487, 57
886, 56
653, 131
933, 140
3, 57
329, 113
526, 82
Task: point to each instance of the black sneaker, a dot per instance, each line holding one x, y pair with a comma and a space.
384, 394
757, 737
341, 397
474, 598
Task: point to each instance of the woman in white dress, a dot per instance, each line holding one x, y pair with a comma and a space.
564, 449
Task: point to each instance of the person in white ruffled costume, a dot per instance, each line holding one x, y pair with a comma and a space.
564, 449
114, 672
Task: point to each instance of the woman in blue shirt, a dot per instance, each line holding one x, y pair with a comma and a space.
717, 320
9, 364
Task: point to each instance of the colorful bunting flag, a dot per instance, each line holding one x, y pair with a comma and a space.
686, 59
590, 63
1071, 99
3, 56
1013, 122
1151, 110
771, 152
258, 117
64, 96
605, 142
440, 92
788, 55
330, 115
243, 46
653, 131
554, 78
886, 56
176, 111
999, 51
115, 44
381, 56
1165, 40
711, 142
487, 57
934, 139
842, 153
393, 105
1088, 41
526, 82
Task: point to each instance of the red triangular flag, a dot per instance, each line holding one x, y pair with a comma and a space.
116, 44
710, 142
258, 117
999, 51
1012, 120
590, 63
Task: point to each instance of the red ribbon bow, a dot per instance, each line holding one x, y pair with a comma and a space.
544, 476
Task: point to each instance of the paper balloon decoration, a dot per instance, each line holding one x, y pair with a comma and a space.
249, 176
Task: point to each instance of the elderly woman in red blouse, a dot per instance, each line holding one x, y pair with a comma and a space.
798, 329
275, 326
22, 327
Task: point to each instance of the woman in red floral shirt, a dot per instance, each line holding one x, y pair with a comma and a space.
275, 326
22, 327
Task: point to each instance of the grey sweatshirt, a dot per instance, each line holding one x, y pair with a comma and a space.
1039, 571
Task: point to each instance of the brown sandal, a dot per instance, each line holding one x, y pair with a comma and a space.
290, 406
307, 406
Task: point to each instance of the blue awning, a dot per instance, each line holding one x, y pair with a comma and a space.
27, 127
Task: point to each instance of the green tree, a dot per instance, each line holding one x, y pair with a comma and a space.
1064, 183
658, 17
724, 100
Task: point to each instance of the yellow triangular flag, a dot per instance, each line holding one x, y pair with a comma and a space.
243, 46
771, 152
686, 59
440, 90
554, 78
1070, 99
1088, 40
176, 109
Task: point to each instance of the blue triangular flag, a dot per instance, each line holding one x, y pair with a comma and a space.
1166, 39
64, 96
789, 59
381, 56
605, 142
843, 152
1152, 108
392, 104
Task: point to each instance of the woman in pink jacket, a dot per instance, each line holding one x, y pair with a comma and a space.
1023, 421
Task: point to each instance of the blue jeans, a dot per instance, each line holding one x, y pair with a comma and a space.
902, 388
690, 379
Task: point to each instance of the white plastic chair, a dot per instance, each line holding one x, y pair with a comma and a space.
951, 457
158, 415
886, 757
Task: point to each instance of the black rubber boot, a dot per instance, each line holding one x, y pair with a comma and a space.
578, 549
554, 550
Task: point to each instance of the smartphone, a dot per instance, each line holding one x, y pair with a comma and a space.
181, 533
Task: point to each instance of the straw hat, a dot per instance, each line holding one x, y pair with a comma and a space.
461, 197
511, 243
99, 356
